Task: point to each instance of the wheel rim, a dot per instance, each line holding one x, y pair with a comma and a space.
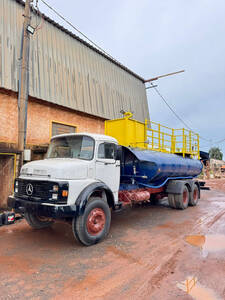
195, 195
95, 221
185, 196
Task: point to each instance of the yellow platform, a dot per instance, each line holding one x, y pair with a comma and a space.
127, 131
153, 136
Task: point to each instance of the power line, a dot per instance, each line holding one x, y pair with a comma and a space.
173, 111
221, 141
69, 23
161, 96
41, 23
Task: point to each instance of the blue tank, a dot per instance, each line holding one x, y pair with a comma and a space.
154, 169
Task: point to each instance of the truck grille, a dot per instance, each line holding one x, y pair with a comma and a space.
41, 190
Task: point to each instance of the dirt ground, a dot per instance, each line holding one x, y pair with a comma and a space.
152, 252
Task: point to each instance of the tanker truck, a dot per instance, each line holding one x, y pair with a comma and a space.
85, 177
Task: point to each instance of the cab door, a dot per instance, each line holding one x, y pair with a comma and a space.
107, 168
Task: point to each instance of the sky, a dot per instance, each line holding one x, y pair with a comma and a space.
157, 37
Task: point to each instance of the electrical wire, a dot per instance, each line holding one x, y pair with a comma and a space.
177, 116
221, 141
70, 24
41, 23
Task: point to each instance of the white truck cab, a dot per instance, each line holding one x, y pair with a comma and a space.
80, 159
80, 171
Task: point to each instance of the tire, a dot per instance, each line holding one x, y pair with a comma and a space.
36, 222
171, 200
182, 200
93, 226
194, 196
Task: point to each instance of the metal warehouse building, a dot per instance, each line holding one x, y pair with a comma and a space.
73, 87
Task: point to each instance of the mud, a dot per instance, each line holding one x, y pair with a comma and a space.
149, 254
216, 184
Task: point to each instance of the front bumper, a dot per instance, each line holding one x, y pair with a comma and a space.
42, 209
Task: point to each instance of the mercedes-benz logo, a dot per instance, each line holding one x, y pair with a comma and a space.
29, 189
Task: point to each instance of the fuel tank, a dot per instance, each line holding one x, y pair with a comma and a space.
156, 168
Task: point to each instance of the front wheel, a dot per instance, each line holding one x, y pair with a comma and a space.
36, 221
93, 226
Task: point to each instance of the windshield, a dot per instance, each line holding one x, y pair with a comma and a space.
81, 147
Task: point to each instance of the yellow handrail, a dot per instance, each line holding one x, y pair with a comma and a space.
169, 140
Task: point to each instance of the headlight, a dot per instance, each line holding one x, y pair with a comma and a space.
16, 186
59, 192
54, 196
55, 188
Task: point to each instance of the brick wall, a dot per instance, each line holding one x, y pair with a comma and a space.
40, 115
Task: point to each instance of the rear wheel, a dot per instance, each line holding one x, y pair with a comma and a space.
93, 226
171, 200
194, 196
36, 221
181, 200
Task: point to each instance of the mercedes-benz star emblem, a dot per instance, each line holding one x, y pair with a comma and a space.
29, 189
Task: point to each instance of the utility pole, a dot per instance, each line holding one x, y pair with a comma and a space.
24, 83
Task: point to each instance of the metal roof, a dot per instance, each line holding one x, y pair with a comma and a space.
65, 70
83, 41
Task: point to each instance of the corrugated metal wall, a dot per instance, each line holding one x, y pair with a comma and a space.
65, 71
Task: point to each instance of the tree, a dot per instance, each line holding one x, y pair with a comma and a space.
215, 153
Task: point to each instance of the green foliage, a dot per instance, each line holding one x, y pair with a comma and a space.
215, 153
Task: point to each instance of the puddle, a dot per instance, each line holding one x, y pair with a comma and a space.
192, 287
207, 243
